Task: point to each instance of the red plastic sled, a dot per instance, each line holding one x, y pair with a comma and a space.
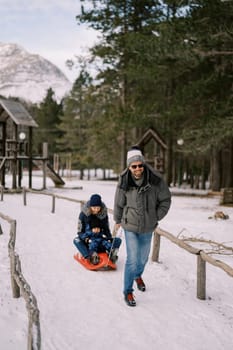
104, 264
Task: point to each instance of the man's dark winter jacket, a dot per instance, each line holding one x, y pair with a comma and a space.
139, 208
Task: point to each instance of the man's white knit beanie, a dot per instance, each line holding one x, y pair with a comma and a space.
134, 155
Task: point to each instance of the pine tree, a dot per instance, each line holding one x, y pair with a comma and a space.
47, 116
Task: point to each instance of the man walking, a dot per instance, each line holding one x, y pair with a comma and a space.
142, 199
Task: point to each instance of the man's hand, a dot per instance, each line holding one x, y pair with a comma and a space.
117, 226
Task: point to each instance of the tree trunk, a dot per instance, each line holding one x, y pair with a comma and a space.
227, 165
215, 170
168, 166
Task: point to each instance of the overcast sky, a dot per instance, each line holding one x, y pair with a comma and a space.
47, 28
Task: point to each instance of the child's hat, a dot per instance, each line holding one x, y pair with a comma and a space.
95, 200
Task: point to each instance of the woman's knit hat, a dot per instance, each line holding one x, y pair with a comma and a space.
134, 155
95, 200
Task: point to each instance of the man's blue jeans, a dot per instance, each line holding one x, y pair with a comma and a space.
138, 250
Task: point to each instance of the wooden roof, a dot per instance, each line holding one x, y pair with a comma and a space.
15, 111
151, 134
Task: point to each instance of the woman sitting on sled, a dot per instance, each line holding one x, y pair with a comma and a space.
94, 234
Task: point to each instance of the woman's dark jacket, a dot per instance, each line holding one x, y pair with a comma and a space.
85, 221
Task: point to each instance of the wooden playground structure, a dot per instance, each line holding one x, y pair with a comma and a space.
16, 144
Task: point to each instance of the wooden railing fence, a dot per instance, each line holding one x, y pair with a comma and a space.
21, 287
54, 197
202, 258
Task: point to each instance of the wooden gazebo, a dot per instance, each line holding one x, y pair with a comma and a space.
154, 148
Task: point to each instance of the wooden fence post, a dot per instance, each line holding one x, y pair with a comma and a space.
156, 247
24, 196
53, 203
15, 288
14, 260
2, 193
201, 278
34, 335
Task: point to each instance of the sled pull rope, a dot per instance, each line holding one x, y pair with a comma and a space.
114, 237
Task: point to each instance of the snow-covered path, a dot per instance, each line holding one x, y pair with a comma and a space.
84, 309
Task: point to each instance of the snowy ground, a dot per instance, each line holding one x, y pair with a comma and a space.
80, 309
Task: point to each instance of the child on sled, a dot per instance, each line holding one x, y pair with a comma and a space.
94, 234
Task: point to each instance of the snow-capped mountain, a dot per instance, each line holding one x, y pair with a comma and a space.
29, 76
